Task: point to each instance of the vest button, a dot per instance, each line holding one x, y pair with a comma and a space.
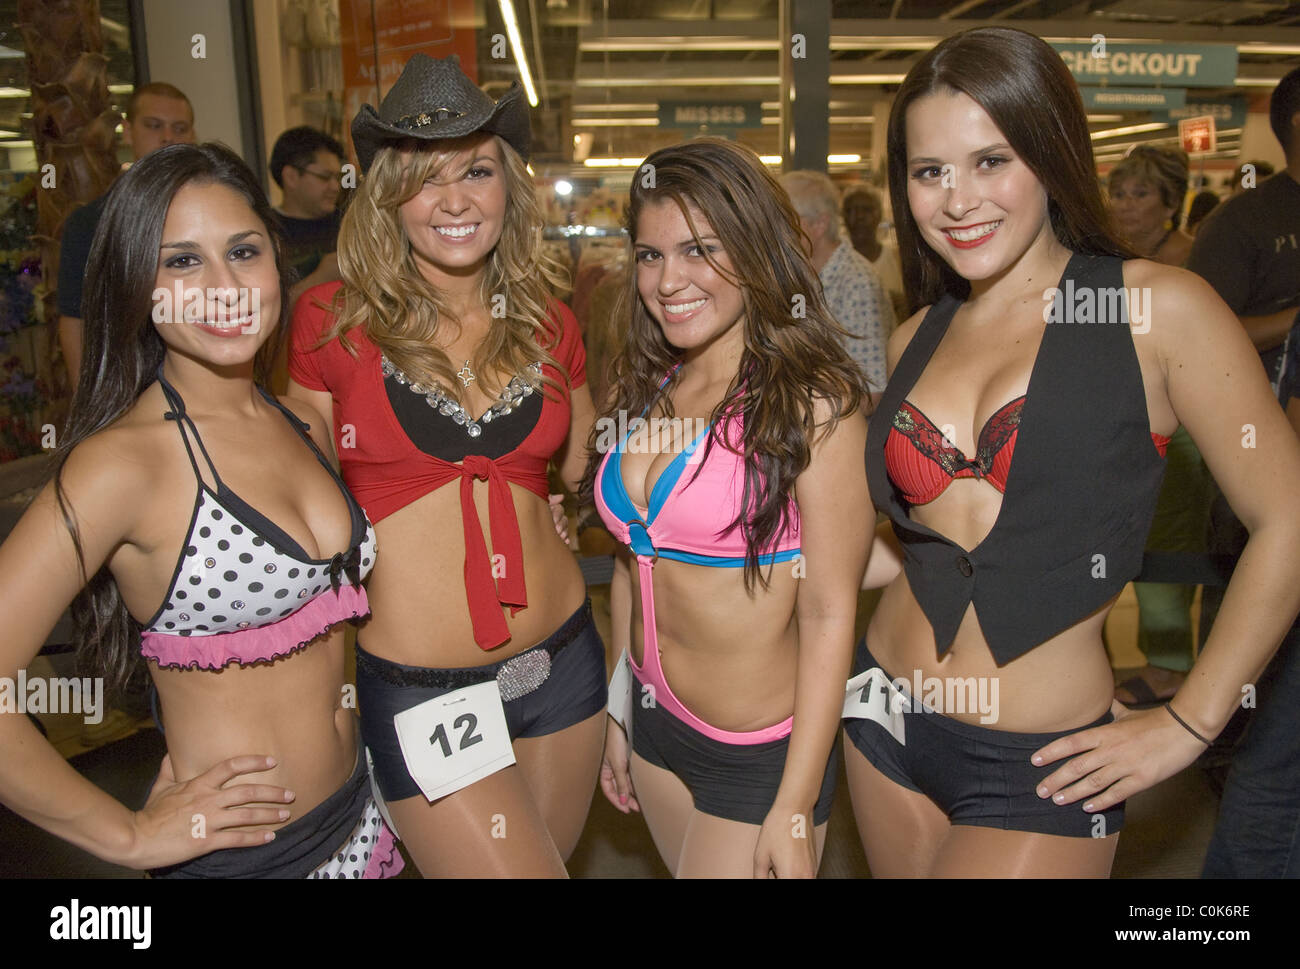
964, 566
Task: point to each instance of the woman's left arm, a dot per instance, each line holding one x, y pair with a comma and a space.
836, 522
1219, 392
572, 459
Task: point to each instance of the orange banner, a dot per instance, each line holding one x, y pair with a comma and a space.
379, 37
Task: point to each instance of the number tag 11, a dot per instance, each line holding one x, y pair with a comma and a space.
871, 696
455, 739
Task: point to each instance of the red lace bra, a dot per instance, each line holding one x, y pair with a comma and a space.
922, 462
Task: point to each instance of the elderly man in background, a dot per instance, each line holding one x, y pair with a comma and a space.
852, 289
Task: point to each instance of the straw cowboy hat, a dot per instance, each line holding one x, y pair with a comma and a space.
432, 100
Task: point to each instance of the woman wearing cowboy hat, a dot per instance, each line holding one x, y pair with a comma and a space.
453, 379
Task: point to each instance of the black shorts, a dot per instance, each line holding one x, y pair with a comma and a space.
733, 781
574, 690
975, 775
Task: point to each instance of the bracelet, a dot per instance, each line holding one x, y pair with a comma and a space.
1186, 726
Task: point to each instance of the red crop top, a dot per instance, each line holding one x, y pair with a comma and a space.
386, 471
922, 462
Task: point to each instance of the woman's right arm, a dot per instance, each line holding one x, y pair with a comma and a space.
615, 779
41, 575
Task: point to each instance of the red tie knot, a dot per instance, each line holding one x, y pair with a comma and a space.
476, 466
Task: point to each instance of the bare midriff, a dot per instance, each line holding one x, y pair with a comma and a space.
729, 657
293, 709
420, 611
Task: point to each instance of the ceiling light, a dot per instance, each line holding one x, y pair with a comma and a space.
517, 45
1132, 129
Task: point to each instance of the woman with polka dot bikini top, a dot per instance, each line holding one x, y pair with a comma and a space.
243, 590
228, 589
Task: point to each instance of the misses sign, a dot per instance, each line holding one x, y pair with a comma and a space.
1175, 65
711, 114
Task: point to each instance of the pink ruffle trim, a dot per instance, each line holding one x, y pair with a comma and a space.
261, 643
385, 861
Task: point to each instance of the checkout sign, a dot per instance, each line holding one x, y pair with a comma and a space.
1174, 65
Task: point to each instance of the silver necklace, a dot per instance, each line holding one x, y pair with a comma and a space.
512, 396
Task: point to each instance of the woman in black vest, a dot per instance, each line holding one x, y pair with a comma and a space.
1018, 450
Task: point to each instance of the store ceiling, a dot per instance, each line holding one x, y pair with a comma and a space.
606, 65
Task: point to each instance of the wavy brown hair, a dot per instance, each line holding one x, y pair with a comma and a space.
791, 356
1029, 93
401, 311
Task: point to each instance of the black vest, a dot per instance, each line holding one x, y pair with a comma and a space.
1082, 487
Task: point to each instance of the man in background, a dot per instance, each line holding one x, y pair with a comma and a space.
307, 165
852, 289
157, 115
1247, 250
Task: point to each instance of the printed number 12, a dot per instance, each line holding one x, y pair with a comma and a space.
467, 739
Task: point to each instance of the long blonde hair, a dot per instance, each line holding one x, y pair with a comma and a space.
401, 311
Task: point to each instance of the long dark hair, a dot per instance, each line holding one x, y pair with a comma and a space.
1029, 93
123, 352
791, 356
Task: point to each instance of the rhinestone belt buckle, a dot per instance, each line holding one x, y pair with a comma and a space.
522, 674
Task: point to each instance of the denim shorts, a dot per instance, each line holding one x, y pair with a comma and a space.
733, 781
975, 775
574, 690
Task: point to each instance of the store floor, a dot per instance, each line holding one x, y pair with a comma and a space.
1165, 835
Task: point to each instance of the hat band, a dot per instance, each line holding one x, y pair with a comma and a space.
424, 118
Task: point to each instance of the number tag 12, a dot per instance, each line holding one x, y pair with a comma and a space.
455, 739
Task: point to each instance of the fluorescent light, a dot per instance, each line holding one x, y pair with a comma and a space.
1263, 48
1132, 129
584, 108
840, 119
14, 92
867, 78
1256, 81
624, 45
686, 81
1098, 118
843, 159
770, 159
28, 143
517, 45
614, 122
613, 162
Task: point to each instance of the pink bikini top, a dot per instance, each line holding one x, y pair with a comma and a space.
243, 590
688, 524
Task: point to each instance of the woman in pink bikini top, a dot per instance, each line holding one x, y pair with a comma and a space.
230, 584
736, 489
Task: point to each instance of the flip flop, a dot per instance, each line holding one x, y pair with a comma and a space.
1145, 698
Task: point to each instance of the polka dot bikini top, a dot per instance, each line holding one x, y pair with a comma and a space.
243, 591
